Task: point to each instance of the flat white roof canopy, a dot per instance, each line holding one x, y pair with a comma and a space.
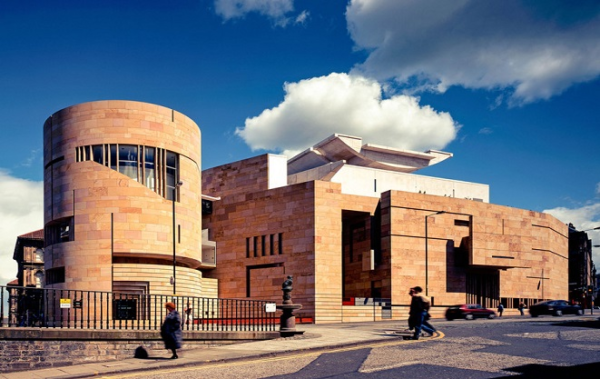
350, 149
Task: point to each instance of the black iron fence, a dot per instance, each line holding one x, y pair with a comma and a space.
55, 308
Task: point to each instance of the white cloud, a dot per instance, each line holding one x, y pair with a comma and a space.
34, 157
302, 17
534, 50
584, 218
21, 211
274, 9
315, 108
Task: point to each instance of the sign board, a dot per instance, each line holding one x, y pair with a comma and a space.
270, 307
77, 303
124, 309
65, 303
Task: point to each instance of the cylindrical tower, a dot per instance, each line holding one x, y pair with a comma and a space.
122, 201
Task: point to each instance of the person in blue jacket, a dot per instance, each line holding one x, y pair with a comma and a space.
170, 330
419, 306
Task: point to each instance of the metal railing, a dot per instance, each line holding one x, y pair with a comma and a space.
55, 308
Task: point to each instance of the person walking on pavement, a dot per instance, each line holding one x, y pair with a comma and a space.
170, 330
427, 305
188, 313
521, 307
419, 305
500, 310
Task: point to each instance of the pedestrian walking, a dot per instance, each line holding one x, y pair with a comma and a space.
419, 307
500, 310
521, 308
188, 313
170, 330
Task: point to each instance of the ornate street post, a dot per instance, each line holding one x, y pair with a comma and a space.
287, 321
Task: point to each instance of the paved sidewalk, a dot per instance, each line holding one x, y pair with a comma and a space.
316, 337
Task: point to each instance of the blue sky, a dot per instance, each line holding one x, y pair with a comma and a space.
509, 87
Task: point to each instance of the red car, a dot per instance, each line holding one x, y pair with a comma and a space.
469, 312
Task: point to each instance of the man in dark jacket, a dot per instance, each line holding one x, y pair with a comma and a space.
170, 330
418, 311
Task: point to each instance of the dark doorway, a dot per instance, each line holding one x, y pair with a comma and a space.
483, 287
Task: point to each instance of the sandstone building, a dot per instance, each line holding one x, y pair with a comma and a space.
351, 222
582, 270
128, 209
122, 200
29, 255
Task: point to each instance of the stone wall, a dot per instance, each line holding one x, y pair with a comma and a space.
33, 348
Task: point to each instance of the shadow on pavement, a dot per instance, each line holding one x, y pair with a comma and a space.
580, 324
141, 353
541, 371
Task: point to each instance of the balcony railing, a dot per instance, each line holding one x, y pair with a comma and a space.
54, 308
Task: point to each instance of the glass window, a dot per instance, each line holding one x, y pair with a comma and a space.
128, 161
39, 255
63, 233
57, 232
171, 175
113, 157
39, 279
97, 153
156, 168
55, 275
149, 167
106, 155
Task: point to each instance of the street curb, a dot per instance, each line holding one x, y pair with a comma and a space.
177, 364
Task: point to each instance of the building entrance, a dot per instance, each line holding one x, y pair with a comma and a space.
483, 287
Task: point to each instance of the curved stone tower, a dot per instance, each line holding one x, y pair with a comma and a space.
122, 200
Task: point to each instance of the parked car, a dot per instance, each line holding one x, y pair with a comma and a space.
469, 312
555, 308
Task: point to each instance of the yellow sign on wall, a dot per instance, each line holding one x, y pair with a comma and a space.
65, 303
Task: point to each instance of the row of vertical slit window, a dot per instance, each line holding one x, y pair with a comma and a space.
156, 168
264, 245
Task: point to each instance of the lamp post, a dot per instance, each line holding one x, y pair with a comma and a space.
593, 283
427, 252
174, 279
593, 292
596, 228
